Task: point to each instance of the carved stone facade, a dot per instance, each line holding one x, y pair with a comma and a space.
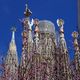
43, 57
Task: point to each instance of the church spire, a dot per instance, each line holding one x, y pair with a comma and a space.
11, 63
64, 57
27, 41
77, 54
62, 41
12, 43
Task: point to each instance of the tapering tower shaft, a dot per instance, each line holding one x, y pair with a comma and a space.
11, 63
65, 73
76, 55
27, 43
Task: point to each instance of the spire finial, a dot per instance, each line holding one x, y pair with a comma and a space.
75, 34
27, 12
60, 22
13, 29
26, 6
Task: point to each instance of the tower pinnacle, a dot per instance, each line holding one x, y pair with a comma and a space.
13, 29
27, 12
76, 55
11, 62
60, 23
75, 36
64, 59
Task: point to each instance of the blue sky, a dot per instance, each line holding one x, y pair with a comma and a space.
12, 10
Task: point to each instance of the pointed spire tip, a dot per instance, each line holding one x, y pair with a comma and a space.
75, 34
13, 29
60, 22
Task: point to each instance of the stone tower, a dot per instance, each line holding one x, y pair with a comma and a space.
38, 51
11, 61
76, 56
27, 43
64, 62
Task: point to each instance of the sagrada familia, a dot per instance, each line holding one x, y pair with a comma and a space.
43, 57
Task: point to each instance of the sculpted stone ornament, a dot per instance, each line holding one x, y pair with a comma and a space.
30, 24
75, 34
60, 22
27, 12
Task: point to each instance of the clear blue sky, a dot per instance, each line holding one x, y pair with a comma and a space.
12, 10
